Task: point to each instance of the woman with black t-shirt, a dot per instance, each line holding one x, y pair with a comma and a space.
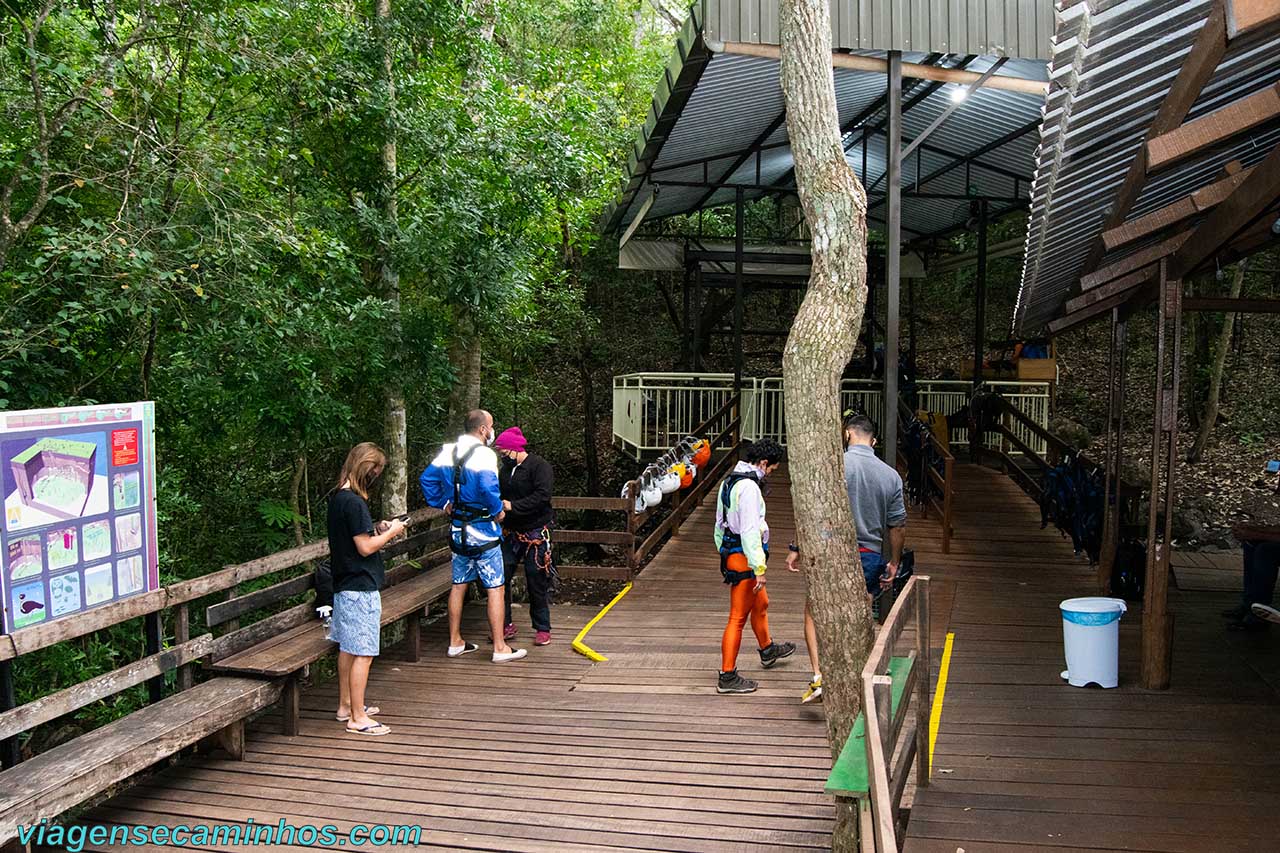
358, 573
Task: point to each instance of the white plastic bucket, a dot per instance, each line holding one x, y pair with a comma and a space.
1091, 637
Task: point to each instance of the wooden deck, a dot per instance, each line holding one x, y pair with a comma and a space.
1025, 762
558, 754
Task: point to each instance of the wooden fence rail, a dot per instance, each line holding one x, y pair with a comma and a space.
944, 482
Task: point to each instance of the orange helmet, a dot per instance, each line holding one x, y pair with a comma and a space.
685, 472
701, 452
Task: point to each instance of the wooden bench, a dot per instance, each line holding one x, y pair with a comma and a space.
285, 655
850, 777
67, 775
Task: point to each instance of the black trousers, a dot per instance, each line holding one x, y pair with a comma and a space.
537, 582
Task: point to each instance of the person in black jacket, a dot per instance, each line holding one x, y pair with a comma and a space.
525, 481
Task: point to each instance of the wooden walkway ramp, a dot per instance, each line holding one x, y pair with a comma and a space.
559, 754
554, 753
1024, 762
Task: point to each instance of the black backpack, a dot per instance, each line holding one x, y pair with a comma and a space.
324, 585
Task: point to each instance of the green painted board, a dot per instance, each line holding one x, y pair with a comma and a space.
79, 449
849, 777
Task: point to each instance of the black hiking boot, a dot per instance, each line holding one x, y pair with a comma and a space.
731, 682
775, 652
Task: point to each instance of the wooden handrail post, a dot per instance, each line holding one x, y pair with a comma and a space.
880, 745
947, 484
923, 709
181, 634
632, 486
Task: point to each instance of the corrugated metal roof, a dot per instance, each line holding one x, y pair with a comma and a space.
736, 99
1020, 28
1113, 65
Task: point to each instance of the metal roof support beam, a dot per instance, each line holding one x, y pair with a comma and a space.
862, 119
752, 150
875, 65
1172, 214
953, 106
1197, 68
893, 257
964, 226
1218, 126
972, 157
1241, 209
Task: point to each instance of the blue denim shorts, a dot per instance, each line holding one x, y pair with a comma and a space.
872, 569
357, 622
487, 567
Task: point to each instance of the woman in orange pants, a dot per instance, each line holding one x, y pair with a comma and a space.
742, 537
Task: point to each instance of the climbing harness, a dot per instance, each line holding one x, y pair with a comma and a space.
464, 514
538, 543
730, 541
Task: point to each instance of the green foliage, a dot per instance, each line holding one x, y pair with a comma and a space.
200, 214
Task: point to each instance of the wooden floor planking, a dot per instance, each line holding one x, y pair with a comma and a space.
1025, 762
639, 753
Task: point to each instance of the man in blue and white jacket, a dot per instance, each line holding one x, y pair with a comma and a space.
463, 481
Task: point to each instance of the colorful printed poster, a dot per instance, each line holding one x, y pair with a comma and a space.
79, 524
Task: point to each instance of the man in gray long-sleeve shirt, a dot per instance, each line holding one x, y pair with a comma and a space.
875, 496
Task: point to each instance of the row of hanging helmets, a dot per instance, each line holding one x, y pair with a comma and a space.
673, 471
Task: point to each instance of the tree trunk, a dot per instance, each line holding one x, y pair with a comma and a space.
1209, 418
464, 356
395, 479
295, 501
821, 342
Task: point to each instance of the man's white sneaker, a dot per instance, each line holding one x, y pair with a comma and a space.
514, 654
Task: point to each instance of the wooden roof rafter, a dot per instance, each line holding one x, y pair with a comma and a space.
1132, 285
1228, 208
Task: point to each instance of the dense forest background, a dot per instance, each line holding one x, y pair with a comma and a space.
197, 208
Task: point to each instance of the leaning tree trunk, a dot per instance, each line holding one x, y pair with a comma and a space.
821, 342
395, 479
1209, 417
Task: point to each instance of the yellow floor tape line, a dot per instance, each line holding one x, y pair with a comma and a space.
935, 715
581, 647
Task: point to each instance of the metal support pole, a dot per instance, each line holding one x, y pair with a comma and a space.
911, 331
686, 350
976, 436
154, 633
738, 252
870, 313
892, 258
697, 320
9, 752
1157, 624
980, 299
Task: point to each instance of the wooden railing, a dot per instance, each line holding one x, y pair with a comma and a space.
724, 428
944, 482
889, 732
176, 599
994, 414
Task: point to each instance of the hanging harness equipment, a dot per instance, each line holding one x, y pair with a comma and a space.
465, 514
536, 544
731, 541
